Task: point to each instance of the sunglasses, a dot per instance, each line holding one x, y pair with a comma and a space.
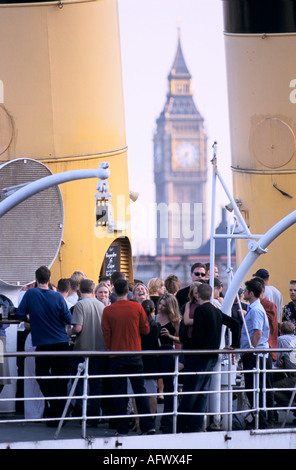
199, 274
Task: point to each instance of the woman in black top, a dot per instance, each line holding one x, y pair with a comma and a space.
169, 318
151, 342
168, 315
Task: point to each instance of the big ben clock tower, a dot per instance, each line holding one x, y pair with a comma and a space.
180, 167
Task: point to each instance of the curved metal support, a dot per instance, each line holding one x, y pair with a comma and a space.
43, 183
256, 248
252, 256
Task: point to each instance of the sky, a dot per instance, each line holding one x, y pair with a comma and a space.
149, 36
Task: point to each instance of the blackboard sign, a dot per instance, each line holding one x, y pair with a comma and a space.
112, 260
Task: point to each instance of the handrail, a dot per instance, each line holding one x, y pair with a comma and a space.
160, 352
226, 390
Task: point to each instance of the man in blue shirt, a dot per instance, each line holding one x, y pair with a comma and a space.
48, 315
254, 334
256, 319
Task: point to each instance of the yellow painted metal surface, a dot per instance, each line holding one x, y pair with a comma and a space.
60, 67
261, 78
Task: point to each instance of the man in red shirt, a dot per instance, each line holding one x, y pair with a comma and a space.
271, 312
122, 324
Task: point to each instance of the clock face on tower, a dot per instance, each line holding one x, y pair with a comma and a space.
187, 154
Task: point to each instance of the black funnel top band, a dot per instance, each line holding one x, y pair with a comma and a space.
259, 16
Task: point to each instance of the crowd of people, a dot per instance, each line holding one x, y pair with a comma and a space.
126, 318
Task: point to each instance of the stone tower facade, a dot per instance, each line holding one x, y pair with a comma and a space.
180, 167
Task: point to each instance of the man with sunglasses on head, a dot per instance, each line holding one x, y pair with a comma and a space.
197, 273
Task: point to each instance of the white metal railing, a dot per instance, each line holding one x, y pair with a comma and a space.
231, 379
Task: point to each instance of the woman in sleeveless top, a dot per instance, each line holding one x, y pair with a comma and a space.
189, 310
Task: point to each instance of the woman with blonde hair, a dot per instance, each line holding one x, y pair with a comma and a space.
140, 292
102, 293
169, 318
156, 288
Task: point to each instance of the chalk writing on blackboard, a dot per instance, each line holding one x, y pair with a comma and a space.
111, 260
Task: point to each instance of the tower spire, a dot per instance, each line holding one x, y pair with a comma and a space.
179, 68
179, 26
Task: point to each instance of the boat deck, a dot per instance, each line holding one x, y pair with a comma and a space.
37, 435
